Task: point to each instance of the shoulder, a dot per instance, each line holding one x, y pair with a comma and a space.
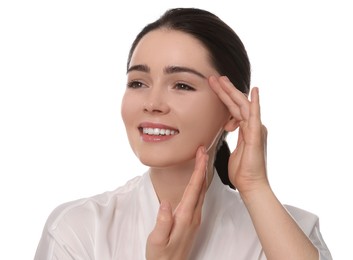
75, 227
83, 212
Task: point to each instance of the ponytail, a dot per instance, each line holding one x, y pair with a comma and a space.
221, 163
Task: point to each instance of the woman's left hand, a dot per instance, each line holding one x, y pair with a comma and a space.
247, 163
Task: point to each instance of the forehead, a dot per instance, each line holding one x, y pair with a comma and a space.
171, 47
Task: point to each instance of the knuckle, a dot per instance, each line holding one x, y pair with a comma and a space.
164, 218
192, 221
154, 239
184, 218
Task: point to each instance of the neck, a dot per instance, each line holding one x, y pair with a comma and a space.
170, 182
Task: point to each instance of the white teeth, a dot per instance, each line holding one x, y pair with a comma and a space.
158, 131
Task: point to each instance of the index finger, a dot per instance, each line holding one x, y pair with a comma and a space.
236, 101
194, 190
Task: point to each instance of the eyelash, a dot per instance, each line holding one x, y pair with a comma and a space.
183, 86
179, 86
134, 84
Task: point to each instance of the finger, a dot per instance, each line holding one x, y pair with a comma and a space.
161, 233
255, 116
237, 101
255, 103
237, 96
198, 209
193, 190
226, 99
264, 134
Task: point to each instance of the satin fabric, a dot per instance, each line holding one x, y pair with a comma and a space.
116, 224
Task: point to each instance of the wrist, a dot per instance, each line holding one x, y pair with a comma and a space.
256, 194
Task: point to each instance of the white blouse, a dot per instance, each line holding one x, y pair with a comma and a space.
116, 224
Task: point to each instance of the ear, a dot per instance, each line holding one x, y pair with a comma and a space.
231, 125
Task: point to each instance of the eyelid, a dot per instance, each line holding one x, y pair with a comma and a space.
133, 83
189, 87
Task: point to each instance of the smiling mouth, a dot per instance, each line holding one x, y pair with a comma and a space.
158, 131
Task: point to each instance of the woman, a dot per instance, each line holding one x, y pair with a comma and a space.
188, 82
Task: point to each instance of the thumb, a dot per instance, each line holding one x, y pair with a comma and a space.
161, 232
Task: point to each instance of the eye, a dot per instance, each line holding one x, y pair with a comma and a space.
135, 84
183, 86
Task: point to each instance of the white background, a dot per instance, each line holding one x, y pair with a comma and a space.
62, 76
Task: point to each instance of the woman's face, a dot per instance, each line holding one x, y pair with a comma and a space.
168, 108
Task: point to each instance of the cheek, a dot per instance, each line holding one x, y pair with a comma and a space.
212, 113
127, 107
206, 119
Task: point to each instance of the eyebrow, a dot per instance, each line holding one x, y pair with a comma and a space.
178, 69
140, 67
167, 70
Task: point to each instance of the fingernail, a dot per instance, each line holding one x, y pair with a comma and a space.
203, 149
226, 78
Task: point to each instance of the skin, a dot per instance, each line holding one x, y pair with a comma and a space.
178, 175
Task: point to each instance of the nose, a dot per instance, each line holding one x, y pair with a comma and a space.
156, 102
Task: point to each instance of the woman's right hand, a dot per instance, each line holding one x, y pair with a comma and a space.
247, 163
174, 232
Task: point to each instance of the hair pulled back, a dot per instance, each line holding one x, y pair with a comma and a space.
227, 54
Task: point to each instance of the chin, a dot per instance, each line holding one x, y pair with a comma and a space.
163, 161
155, 162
